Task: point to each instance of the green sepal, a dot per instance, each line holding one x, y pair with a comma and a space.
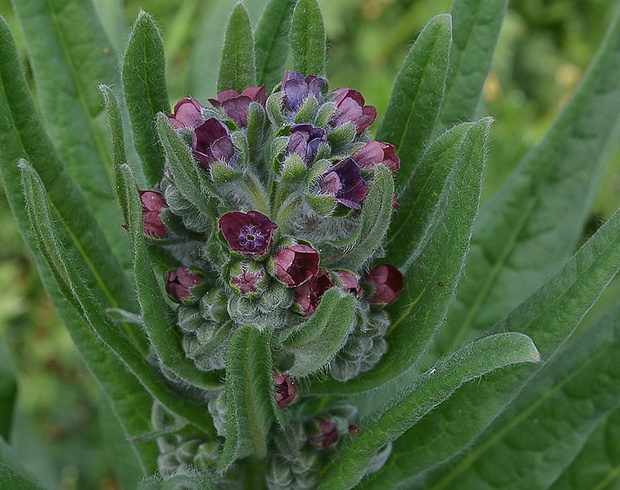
146, 92
323, 205
342, 136
318, 169
249, 393
238, 66
307, 36
222, 173
274, 109
256, 133
279, 147
373, 224
316, 341
294, 169
307, 112
324, 114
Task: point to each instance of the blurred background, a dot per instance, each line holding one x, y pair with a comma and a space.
544, 48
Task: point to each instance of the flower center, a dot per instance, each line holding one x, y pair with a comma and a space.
251, 237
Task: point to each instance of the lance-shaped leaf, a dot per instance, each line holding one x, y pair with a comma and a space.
420, 204
307, 35
316, 341
12, 472
475, 29
430, 283
67, 65
238, 66
157, 316
8, 390
146, 92
535, 222
417, 96
548, 317
272, 43
472, 361
373, 224
191, 179
546, 425
250, 392
79, 301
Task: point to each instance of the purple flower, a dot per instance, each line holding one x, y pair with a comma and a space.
308, 295
344, 182
375, 152
328, 434
349, 283
305, 140
236, 105
212, 142
152, 204
247, 281
350, 108
180, 282
296, 264
286, 393
187, 114
388, 284
296, 89
248, 233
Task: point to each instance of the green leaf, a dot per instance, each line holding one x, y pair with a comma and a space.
307, 36
597, 466
146, 92
272, 44
373, 224
548, 317
187, 479
544, 428
8, 390
475, 29
159, 319
249, 393
316, 341
238, 66
474, 360
431, 281
67, 64
12, 473
414, 106
528, 230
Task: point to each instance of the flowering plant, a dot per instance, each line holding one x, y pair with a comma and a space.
288, 300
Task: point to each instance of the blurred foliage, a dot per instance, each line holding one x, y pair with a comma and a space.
544, 48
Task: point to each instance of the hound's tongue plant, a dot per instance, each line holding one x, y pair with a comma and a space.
301, 313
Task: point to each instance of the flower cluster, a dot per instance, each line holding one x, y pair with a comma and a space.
286, 180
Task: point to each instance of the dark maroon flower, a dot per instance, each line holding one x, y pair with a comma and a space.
236, 105
187, 114
286, 393
212, 142
344, 182
328, 434
305, 140
296, 264
180, 282
152, 204
349, 283
296, 89
350, 108
308, 295
249, 233
375, 152
388, 284
247, 280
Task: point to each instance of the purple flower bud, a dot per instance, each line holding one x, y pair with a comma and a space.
212, 142
296, 89
375, 152
305, 140
286, 393
236, 105
187, 114
296, 264
328, 434
152, 204
249, 233
388, 284
308, 295
180, 282
349, 283
344, 182
350, 108
247, 281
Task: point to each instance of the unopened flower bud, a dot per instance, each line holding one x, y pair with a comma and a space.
247, 278
344, 182
296, 264
297, 88
351, 108
286, 393
327, 434
187, 114
152, 205
375, 152
308, 295
387, 281
349, 283
212, 142
236, 105
248, 233
180, 283
305, 140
